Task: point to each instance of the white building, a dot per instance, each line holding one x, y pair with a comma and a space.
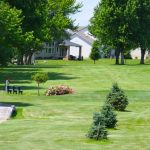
136, 54
82, 37
79, 46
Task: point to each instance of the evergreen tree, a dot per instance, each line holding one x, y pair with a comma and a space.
98, 130
110, 116
116, 98
95, 54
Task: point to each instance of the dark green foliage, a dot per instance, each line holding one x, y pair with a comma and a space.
127, 55
95, 54
110, 116
139, 23
10, 31
98, 130
117, 98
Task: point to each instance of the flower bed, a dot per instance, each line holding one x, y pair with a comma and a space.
59, 90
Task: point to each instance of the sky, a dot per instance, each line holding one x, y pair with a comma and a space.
82, 18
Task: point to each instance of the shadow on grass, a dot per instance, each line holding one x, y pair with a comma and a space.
59, 76
17, 104
2, 87
38, 66
16, 75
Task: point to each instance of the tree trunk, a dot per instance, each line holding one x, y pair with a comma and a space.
25, 59
38, 90
20, 60
143, 50
117, 57
29, 59
122, 58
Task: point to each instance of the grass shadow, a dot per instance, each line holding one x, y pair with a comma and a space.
17, 104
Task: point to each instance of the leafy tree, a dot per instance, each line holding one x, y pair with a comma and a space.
95, 54
116, 98
110, 26
10, 31
46, 20
139, 16
110, 116
98, 130
40, 78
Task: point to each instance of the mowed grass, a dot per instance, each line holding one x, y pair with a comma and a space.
62, 122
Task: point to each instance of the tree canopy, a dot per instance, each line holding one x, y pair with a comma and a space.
42, 21
122, 25
10, 31
110, 26
139, 22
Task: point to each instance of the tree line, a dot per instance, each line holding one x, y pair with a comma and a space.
25, 25
122, 25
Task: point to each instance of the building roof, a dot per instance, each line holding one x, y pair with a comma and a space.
69, 43
88, 38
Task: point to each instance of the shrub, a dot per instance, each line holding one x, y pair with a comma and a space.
110, 116
59, 90
98, 130
117, 98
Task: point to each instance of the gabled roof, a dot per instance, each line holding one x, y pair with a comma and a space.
87, 38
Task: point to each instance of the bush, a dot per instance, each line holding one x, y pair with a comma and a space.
98, 130
59, 90
117, 99
110, 116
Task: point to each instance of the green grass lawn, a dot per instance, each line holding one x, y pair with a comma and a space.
62, 122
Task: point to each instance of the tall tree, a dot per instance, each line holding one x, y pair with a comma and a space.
139, 16
10, 31
110, 26
47, 20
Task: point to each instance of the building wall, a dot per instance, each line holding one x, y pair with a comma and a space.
86, 48
51, 51
136, 54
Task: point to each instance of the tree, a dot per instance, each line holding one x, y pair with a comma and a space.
110, 116
40, 78
139, 16
10, 31
98, 130
116, 98
95, 54
47, 20
110, 26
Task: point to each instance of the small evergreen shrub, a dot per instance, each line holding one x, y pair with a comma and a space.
117, 99
59, 90
110, 116
98, 130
